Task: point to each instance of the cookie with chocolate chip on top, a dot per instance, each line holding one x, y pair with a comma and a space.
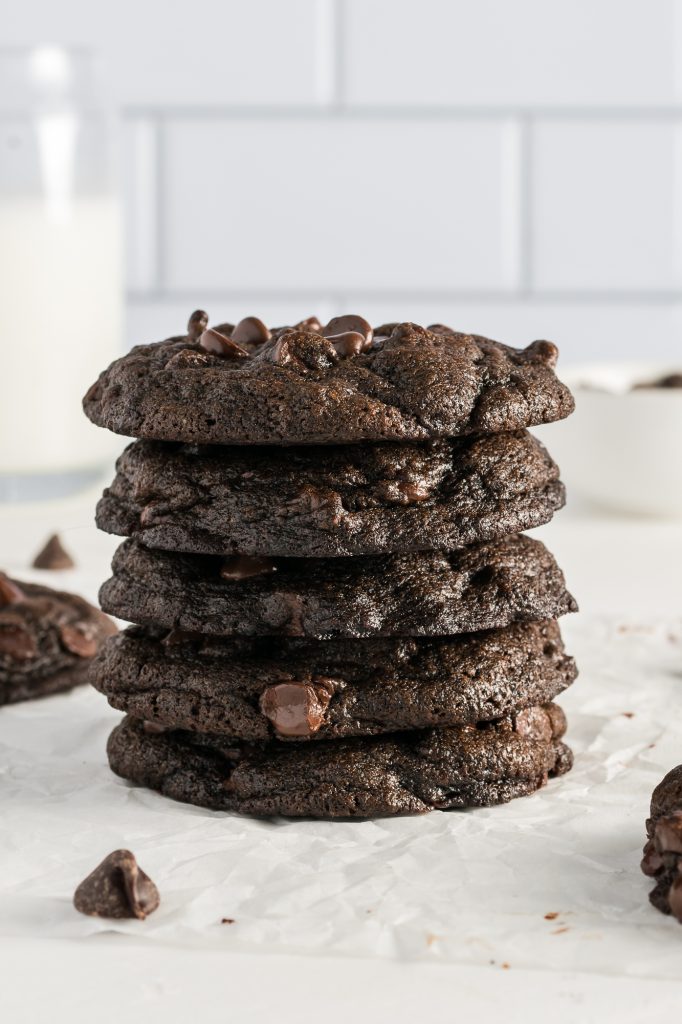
404, 773
48, 639
350, 500
338, 383
297, 690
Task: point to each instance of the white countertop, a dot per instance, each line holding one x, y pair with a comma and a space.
626, 567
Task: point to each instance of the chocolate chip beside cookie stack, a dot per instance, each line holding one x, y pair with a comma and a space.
336, 615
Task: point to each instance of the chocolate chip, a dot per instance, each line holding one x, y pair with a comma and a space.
10, 592
243, 567
347, 344
17, 643
668, 833
53, 555
220, 345
440, 329
350, 324
310, 324
187, 359
295, 709
299, 350
251, 331
197, 324
542, 352
675, 898
402, 492
78, 640
117, 888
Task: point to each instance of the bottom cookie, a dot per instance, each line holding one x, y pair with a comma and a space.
406, 773
662, 858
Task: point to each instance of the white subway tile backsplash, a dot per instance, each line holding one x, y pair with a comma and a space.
607, 205
502, 52
163, 52
319, 203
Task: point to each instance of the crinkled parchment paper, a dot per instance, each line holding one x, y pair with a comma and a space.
549, 881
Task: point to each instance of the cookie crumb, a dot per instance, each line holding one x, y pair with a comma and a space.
505, 966
552, 916
560, 931
227, 920
628, 714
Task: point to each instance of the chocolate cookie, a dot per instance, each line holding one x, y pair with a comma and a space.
325, 385
351, 500
430, 593
47, 640
662, 858
406, 773
306, 689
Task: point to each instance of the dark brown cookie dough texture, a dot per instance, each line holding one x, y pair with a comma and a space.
336, 612
48, 639
662, 859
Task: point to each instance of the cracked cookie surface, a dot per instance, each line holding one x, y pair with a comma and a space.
405, 773
297, 386
485, 586
330, 502
301, 690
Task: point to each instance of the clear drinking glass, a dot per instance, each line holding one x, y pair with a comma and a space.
60, 268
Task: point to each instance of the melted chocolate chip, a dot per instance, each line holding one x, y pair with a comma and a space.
53, 555
350, 324
10, 592
295, 709
243, 567
78, 640
197, 324
17, 643
310, 324
220, 345
668, 834
251, 331
117, 888
350, 343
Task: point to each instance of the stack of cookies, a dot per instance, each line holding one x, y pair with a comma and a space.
336, 614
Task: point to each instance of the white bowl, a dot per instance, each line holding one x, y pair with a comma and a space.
622, 448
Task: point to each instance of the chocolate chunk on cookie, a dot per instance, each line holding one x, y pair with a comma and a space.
47, 640
117, 888
332, 384
485, 586
662, 858
405, 773
341, 500
295, 690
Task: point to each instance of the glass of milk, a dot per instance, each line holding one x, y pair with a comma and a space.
60, 269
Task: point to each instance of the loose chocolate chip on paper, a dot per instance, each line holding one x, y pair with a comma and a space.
117, 888
53, 555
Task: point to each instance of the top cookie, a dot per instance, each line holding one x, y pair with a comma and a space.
341, 383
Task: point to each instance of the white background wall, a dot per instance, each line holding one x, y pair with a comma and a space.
512, 167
